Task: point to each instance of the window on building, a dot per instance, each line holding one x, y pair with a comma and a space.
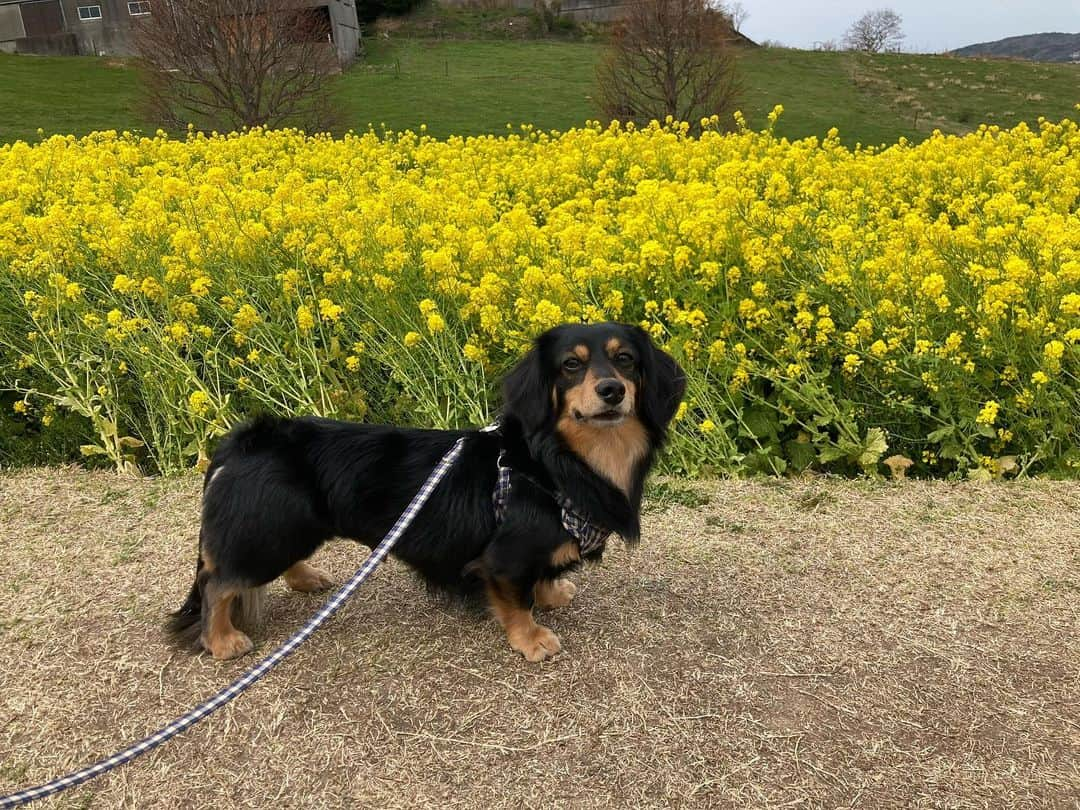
87, 13
139, 8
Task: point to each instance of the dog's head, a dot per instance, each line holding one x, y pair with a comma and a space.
595, 376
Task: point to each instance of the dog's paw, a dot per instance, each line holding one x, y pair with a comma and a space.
307, 578
536, 644
555, 594
228, 645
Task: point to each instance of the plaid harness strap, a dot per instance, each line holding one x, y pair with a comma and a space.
590, 537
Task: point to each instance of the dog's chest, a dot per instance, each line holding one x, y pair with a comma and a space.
615, 453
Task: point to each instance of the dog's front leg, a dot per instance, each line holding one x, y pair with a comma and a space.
512, 606
511, 566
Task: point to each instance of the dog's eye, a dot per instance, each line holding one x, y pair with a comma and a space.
571, 364
624, 359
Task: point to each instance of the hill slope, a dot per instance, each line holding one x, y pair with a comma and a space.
1049, 47
472, 87
468, 87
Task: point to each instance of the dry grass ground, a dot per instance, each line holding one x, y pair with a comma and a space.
792, 643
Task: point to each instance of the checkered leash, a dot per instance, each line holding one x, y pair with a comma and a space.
259, 670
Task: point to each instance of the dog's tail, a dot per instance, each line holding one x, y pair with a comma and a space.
184, 625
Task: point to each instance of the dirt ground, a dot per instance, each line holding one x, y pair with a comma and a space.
795, 643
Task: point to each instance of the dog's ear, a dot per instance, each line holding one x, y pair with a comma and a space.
527, 393
663, 384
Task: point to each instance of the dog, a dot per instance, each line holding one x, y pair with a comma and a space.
584, 414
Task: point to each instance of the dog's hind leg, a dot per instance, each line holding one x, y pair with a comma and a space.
306, 578
219, 636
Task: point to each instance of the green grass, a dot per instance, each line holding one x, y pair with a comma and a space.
470, 87
473, 86
461, 87
69, 94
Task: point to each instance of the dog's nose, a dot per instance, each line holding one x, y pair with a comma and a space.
611, 391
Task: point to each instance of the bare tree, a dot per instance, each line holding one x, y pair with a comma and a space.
669, 57
738, 14
227, 64
876, 31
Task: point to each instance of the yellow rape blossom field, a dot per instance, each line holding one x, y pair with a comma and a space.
831, 306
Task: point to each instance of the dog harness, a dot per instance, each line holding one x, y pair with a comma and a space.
590, 537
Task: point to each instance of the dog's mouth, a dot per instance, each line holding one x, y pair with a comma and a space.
609, 417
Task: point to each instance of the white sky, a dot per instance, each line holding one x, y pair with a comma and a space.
930, 26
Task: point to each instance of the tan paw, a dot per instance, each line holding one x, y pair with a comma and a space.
536, 644
307, 578
555, 594
228, 645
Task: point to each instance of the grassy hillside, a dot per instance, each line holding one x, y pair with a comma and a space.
66, 94
461, 86
471, 87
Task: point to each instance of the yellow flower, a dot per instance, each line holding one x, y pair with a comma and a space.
200, 287
151, 289
329, 311
304, 319
199, 403
20, 407
411, 339
707, 426
246, 317
933, 286
435, 323
178, 331
124, 284
989, 413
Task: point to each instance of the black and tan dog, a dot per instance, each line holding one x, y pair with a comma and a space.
584, 413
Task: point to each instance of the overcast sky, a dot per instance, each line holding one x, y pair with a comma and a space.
930, 25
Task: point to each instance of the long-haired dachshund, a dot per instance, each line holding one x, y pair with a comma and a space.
584, 413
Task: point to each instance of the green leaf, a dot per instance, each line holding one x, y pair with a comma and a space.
953, 450
988, 431
800, 454
766, 460
940, 434
73, 405
130, 441
831, 453
874, 446
93, 450
761, 422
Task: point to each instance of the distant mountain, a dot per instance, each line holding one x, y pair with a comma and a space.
1036, 47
